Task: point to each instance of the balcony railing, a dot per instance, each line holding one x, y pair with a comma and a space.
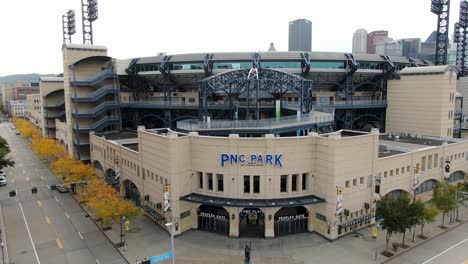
95, 79
97, 125
97, 94
270, 123
96, 110
55, 115
56, 105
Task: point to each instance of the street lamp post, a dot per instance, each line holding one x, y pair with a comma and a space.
171, 226
376, 254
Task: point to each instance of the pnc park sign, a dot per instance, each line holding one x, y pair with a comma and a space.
251, 159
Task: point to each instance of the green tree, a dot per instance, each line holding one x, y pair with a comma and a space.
461, 197
444, 198
428, 215
416, 210
4, 150
388, 210
403, 215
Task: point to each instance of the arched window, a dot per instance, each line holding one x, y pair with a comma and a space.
426, 186
456, 176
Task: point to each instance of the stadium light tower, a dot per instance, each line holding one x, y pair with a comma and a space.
68, 25
89, 11
442, 9
461, 38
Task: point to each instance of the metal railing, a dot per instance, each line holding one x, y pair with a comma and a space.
270, 123
97, 94
96, 110
62, 104
96, 78
98, 124
340, 103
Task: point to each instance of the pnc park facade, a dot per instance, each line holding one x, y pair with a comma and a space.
259, 144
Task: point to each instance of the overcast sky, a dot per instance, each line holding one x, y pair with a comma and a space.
31, 30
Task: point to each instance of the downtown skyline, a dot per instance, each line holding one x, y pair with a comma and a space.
144, 28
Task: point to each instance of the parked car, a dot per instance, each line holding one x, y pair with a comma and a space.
3, 181
2, 173
62, 189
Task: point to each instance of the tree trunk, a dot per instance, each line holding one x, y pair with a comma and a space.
422, 229
404, 233
443, 218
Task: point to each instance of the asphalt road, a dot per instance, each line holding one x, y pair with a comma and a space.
450, 247
47, 227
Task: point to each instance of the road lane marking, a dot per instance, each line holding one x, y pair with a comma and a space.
59, 243
27, 178
47, 219
56, 199
80, 234
67, 215
42, 178
39, 203
445, 251
97, 261
29, 233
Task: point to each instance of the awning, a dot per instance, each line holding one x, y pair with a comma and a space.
153, 213
252, 203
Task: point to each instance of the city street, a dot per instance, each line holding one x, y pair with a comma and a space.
450, 247
46, 227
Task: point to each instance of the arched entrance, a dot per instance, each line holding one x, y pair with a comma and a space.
291, 220
98, 166
457, 176
396, 193
111, 178
251, 222
132, 192
426, 186
213, 219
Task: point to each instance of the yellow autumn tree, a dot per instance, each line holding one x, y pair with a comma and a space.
62, 167
80, 172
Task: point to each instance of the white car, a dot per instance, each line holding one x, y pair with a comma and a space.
3, 181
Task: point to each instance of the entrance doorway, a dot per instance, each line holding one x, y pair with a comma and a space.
213, 219
291, 220
251, 222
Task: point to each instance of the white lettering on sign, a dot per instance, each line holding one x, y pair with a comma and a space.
212, 215
291, 217
252, 159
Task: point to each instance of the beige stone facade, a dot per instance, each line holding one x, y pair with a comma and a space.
422, 102
52, 103
308, 176
33, 110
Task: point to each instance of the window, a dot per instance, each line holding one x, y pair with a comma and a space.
347, 184
246, 184
210, 181
320, 217
304, 181
385, 174
294, 183
423, 163
191, 100
284, 183
200, 179
436, 158
391, 172
361, 180
429, 162
138, 171
165, 181
354, 182
143, 173
256, 184
157, 178
220, 179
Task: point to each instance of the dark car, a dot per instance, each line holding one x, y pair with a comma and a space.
62, 189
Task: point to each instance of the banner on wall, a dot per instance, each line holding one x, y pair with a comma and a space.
339, 200
167, 199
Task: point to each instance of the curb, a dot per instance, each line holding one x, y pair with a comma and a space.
424, 241
108, 238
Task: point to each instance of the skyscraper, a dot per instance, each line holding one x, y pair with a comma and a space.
376, 42
360, 41
300, 35
411, 47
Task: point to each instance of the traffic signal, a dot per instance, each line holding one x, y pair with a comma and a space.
34, 190
447, 167
166, 188
12, 193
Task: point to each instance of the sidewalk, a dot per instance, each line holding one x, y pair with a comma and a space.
146, 239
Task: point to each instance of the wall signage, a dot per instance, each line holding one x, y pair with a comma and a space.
252, 159
213, 216
291, 217
358, 220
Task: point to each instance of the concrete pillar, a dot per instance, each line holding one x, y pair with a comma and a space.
233, 223
270, 221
